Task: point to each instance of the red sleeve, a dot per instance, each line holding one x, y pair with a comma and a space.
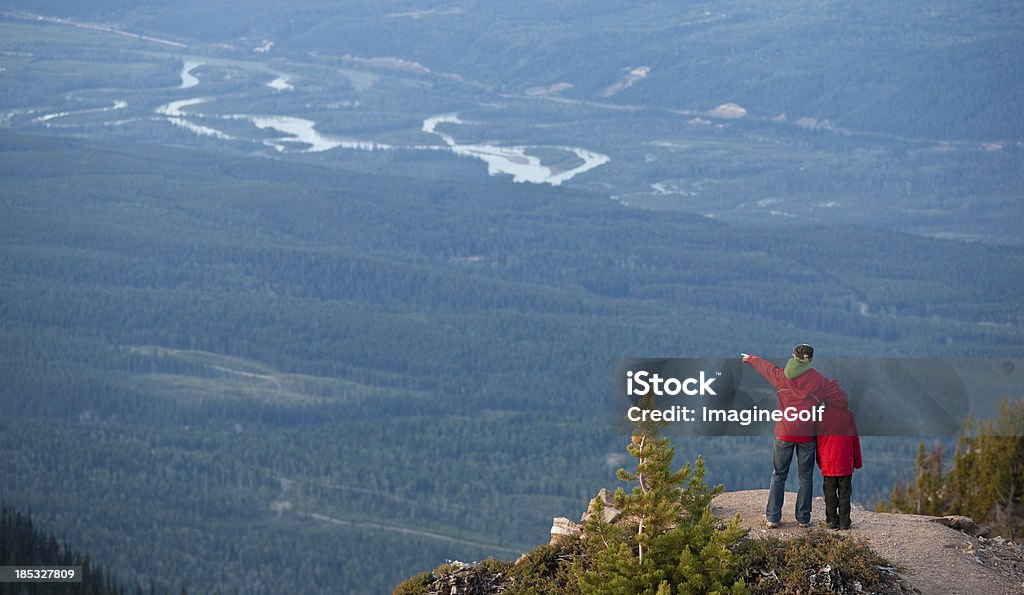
857, 461
772, 373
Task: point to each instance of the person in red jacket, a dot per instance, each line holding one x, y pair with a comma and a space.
801, 389
838, 456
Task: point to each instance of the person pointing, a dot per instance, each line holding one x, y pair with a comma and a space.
801, 387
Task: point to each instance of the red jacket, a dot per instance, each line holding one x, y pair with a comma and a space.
838, 443
805, 392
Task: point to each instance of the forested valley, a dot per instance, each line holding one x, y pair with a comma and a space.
243, 374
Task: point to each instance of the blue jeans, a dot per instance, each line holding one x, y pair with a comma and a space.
782, 456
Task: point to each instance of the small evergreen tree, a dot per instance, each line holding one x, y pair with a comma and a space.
666, 541
926, 495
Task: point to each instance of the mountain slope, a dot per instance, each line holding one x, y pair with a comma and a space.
881, 553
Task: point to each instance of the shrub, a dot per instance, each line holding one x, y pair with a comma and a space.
818, 562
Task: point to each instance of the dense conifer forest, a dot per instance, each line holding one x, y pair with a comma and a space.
289, 366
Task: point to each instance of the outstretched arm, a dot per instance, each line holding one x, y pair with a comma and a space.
770, 371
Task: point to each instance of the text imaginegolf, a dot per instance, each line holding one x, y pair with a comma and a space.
744, 417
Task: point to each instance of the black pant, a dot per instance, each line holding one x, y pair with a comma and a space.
837, 501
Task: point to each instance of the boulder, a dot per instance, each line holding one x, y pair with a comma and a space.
964, 524
562, 528
609, 514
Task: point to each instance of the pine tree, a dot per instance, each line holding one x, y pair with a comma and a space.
986, 481
997, 470
655, 501
963, 492
667, 540
929, 497
926, 495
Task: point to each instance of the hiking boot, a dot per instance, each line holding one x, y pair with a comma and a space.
771, 524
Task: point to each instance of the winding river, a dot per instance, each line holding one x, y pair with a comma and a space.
299, 135
189, 80
515, 161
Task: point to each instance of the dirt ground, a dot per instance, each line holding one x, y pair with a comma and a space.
936, 558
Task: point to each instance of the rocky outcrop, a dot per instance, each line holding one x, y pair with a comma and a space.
997, 553
931, 557
963, 524
610, 513
909, 554
562, 527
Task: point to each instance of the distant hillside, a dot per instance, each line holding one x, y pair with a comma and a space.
945, 72
764, 114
